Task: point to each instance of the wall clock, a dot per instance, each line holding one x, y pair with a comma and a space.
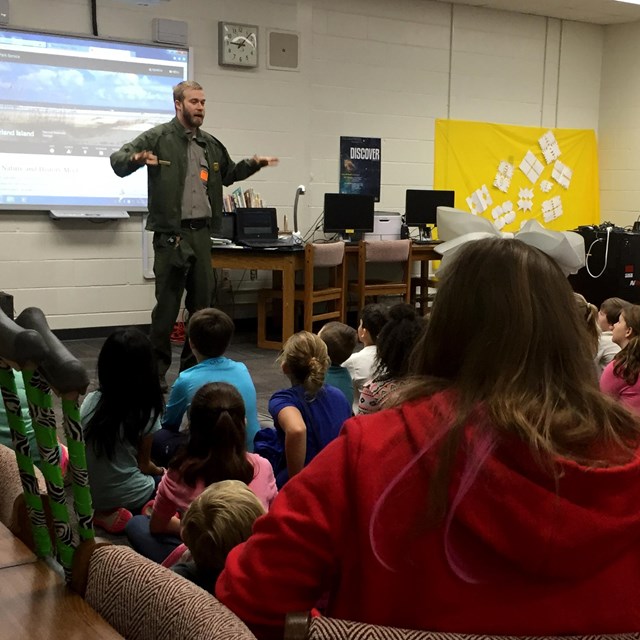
237, 44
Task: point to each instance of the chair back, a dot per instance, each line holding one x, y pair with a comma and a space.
386, 250
325, 254
303, 626
397, 252
143, 601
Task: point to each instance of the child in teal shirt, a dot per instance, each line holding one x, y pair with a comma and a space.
341, 341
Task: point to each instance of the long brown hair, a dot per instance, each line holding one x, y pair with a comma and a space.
627, 361
216, 448
589, 312
505, 335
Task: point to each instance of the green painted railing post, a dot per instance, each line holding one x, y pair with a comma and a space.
44, 425
32, 496
78, 468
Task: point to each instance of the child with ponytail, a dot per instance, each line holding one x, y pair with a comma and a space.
216, 450
309, 414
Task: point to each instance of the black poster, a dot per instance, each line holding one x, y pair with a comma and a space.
360, 165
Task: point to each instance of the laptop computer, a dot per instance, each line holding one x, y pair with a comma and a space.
257, 228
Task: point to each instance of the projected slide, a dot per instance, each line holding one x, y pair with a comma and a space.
66, 104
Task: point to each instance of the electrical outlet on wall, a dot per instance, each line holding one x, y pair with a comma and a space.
253, 274
226, 279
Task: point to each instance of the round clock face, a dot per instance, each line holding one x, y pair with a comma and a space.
238, 45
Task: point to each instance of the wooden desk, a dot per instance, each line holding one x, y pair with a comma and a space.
285, 262
13, 552
35, 603
288, 262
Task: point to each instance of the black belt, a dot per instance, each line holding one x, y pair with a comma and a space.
194, 223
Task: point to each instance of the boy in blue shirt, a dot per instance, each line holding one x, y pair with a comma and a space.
210, 333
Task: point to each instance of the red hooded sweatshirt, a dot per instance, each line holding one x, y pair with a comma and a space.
532, 555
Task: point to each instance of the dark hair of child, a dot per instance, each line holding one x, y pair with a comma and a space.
130, 391
374, 316
216, 448
396, 341
340, 339
210, 332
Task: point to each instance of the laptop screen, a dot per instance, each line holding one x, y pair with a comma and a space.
256, 224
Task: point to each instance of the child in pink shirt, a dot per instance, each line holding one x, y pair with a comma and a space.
215, 451
621, 377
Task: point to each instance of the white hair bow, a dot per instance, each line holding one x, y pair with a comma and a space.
456, 228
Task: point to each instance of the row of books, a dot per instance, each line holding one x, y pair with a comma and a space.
238, 199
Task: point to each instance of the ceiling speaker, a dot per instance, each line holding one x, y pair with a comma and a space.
282, 50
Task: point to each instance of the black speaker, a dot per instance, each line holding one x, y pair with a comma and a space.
612, 265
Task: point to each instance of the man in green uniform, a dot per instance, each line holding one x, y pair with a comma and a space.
186, 169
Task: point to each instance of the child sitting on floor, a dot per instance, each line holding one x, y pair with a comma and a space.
210, 332
216, 450
394, 345
309, 414
220, 518
360, 365
621, 377
341, 340
608, 315
119, 420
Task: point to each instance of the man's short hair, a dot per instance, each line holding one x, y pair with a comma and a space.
210, 331
374, 316
611, 307
181, 87
340, 339
219, 519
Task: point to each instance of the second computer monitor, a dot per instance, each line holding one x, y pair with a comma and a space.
421, 206
348, 214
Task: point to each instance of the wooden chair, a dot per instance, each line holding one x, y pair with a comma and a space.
329, 256
143, 601
378, 252
303, 626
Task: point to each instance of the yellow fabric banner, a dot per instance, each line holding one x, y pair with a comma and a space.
510, 174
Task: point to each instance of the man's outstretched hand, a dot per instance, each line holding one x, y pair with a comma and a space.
266, 161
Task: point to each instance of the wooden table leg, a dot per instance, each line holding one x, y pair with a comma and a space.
288, 299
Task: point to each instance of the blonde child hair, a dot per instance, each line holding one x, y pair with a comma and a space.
219, 519
305, 360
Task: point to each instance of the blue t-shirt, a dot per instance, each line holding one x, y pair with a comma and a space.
212, 370
323, 416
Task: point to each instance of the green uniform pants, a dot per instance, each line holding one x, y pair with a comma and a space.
181, 262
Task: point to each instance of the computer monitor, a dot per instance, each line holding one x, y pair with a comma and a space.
421, 206
349, 214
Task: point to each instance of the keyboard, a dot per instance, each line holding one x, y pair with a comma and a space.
220, 242
282, 245
264, 244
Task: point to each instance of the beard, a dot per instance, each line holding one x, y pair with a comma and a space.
191, 120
